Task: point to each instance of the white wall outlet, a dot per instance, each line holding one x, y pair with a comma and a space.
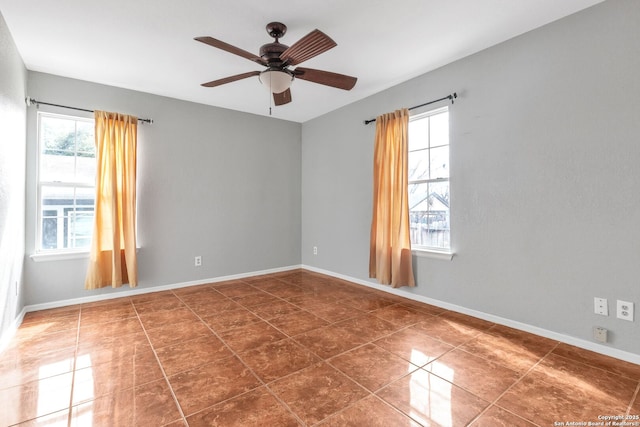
625, 310
599, 334
600, 306
315, 250
198, 261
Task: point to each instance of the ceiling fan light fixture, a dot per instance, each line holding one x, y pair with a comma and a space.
276, 81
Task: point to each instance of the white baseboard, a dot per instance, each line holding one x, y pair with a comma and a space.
567, 339
140, 291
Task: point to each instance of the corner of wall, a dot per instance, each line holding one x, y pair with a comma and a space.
12, 182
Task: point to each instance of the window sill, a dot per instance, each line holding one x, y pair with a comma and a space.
58, 256
430, 253
61, 256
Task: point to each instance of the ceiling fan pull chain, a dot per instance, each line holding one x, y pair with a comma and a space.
270, 94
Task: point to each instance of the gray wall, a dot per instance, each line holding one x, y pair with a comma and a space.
13, 78
545, 177
211, 182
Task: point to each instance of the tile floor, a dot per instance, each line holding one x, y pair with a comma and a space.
297, 348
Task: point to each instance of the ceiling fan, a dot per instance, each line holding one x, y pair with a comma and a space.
278, 58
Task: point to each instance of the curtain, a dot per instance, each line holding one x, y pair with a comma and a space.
390, 251
113, 249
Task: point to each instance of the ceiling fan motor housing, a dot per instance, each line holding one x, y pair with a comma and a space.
270, 52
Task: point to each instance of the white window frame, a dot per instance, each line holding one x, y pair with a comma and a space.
429, 251
57, 253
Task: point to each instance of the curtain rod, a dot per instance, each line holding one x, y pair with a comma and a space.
450, 97
31, 101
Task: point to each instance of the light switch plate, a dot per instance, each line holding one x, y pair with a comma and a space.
600, 306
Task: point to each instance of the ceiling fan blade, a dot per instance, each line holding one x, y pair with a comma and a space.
230, 79
326, 78
313, 44
231, 49
282, 98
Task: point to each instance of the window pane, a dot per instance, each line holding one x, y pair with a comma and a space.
80, 228
58, 136
49, 229
418, 134
419, 165
439, 162
56, 168
439, 129
85, 142
418, 194
67, 216
429, 214
85, 197
85, 170
54, 197
67, 150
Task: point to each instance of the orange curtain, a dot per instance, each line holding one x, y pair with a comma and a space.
113, 249
390, 252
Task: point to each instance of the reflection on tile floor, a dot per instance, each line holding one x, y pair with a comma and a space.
296, 349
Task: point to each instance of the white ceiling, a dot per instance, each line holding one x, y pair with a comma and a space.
147, 45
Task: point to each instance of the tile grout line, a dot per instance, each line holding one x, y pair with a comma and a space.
609, 372
495, 401
371, 393
291, 337
459, 347
73, 371
234, 354
164, 374
284, 404
266, 384
364, 312
635, 396
345, 408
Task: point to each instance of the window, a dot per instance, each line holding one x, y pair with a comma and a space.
66, 182
429, 208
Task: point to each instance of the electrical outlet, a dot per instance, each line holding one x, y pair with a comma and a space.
315, 250
625, 310
198, 261
599, 334
600, 306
